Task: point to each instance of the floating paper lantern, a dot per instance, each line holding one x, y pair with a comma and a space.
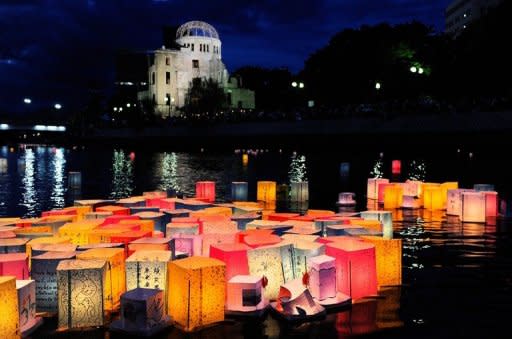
116, 210
396, 167
302, 251
243, 219
239, 191
9, 321
290, 237
97, 215
384, 217
346, 199
410, 201
266, 191
132, 202
177, 213
344, 169
433, 198
142, 313
483, 187
234, 256
295, 302
148, 269
146, 225
157, 218
267, 262
491, 204
445, 186
210, 239
255, 241
454, 201
80, 289
393, 197
44, 272
114, 282
381, 189
118, 218
181, 228
38, 249
14, 245
197, 293
105, 235
356, 273
26, 290
245, 294
373, 187
322, 277
79, 232
219, 224
473, 207
217, 211
388, 254
299, 191
154, 194
190, 244
149, 244
281, 216
15, 264
205, 191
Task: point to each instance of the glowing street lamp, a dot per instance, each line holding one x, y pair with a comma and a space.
57, 106
128, 105
378, 85
294, 84
413, 69
420, 70
301, 85
27, 101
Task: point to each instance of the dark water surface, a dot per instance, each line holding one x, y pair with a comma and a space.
457, 278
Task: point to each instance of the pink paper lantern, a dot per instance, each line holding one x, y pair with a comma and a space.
234, 256
356, 269
15, 264
322, 277
380, 191
191, 244
205, 191
255, 241
396, 166
491, 203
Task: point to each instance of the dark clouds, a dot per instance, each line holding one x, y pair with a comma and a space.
53, 49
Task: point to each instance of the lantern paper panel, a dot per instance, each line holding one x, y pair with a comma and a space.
302, 251
346, 199
14, 245
396, 167
26, 290
115, 283
411, 201
393, 197
259, 240
9, 321
245, 293
142, 312
373, 186
38, 249
445, 187
299, 191
239, 191
491, 204
266, 191
388, 256
149, 244
79, 232
205, 191
267, 262
234, 256
454, 201
147, 269
197, 293
473, 207
215, 239
191, 244
44, 272
15, 264
433, 197
322, 277
80, 286
299, 237
385, 218
356, 273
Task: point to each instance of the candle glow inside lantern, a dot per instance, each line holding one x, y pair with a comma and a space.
266, 191
473, 207
245, 294
454, 201
148, 269
346, 199
239, 191
15, 264
393, 197
396, 167
80, 286
299, 191
356, 273
205, 191
197, 293
388, 254
234, 256
372, 189
26, 290
9, 321
322, 277
384, 217
433, 198
114, 283
142, 312
267, 261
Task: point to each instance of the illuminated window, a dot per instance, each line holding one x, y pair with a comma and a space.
167, 78
195, 63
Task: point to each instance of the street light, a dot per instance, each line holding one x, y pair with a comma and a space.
378, 85
57, 106
301, 85
420, 70
413, 69
294, 84
128, 105
27, 101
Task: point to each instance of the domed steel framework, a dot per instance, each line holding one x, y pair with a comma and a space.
197, 28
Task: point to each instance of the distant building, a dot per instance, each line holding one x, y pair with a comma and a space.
197, 54
461, 13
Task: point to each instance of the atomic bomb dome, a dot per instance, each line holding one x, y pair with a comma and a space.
196, 28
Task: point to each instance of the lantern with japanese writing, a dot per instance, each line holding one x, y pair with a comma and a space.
147, 269
27, 306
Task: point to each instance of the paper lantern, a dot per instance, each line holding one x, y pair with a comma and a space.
210, 239
388, 256
38, 249
445, 186
239, 191
146, 225
180, 213
205, 191
79, 232
75, 180
384, 217
15, 264
114, 283
9, 321
302, 251
149, 244
396, 167
295, 302
83, 248
245, 294
116, 210
97, 215
190, 244
299, 191
142, 313
118, 218
373, 187
290, 237
80, 290
322, 277
433, 198
281, 216
243, 219
148, 269
454, 201
473, 207
212, 212
243, 207
356, 273
483, 187
105, 235
132, 202
344, 169
158, 219
346, 199
255, 241
14, 245
266, 191
491, 204
44, 272
181, 228
94, 203
197, 293
341, 230
393, 197
155, 194
411, 202
26, 290
234, 256
267, 262
218, 225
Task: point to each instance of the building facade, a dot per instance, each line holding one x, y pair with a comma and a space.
461, 13
199, 55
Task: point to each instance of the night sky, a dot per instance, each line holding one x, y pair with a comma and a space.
51, 50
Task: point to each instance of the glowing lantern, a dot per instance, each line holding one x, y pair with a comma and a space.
384, 217
116, 210
132, 202
149, 244
299, 191
356, 273
344, 169
97, 215
205, 191
483, 187
220, 224
79, 232
181, 228
38, 249
154, 195
346, 199
157, 218
388, 254
44, 272
445, 186
118, 218
197, 293
115, 273
433, 198
245, 294
148, 269
393, 197
267, 261
302, 251
190, 244
266, 191
234, 256
105, 235
255, 241
9, 321
146, 225
411, 201
454, 201
322, 277
26, 290
239, 191
212, 212
281, 216
210, 239
473, 207
372, 190
243, 219
491, 204
396, 166
15, 264
80, 290
142, 313
15, 245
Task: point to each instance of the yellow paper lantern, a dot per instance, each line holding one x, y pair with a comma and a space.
393, 196
145, 225
79, 232
372, 189
197, 293
45, 240
115, 284
220, 211
80, 289
266, 191
388, 257
433, 197
104, 235
9, 319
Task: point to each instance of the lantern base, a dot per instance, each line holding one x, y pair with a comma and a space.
117, 326
38, 321
340, 301
296, 319
246, 315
